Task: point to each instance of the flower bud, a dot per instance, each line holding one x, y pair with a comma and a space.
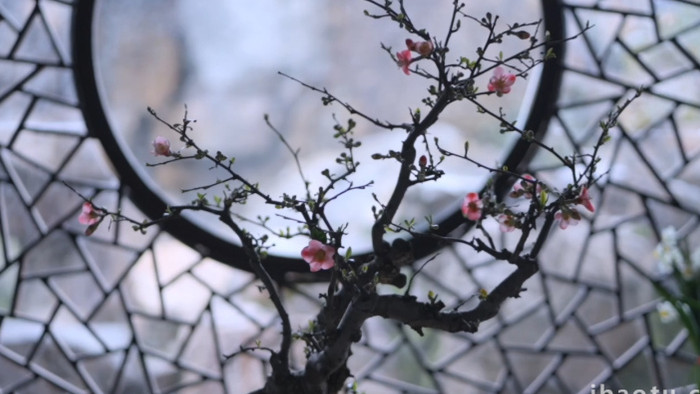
424, 48
161, 146
522, 34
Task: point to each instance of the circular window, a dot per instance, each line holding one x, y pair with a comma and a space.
226, 64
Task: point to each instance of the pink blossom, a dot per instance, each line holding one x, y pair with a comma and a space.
507, 223
524, 188
161, 147
424, 48
501, 82
567, 218
471, 207
585, 200
318, 255
88, 216
404, 60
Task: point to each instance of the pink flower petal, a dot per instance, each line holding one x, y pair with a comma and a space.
318, 255
507, 223
471, 207
501, 81
404, 60
585, 200
88, 216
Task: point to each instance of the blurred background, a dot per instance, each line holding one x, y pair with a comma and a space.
125, 312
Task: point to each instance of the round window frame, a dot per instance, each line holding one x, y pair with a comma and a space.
146, 199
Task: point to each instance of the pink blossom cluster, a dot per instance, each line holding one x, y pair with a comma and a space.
525, 187
423, 48
569, 216
472, 209
472, 206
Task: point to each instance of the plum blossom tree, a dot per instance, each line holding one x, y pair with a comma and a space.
353, 295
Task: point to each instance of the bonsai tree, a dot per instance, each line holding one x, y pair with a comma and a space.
530, 208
